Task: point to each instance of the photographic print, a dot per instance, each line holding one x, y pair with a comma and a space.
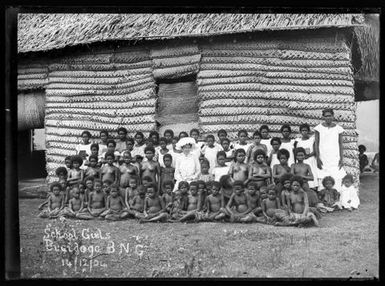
198, 145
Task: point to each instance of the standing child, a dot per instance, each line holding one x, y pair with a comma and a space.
103, 135
163, 150
150, 167
229, 151
329, 197
282, 167
85, 146
116, 208
362, 157
349, 194
194, 133
139, 146
131, 191
237, 207
238, 170
259, 171
127, 170
62, 173
272, 159
122, 139
210, 152
287, 143
264, 130
154, 208
167, 172
111, 144
169, 135
68, 163
221, 169
256, 145
55, 202
92, 170
215, 204
285, 190
75, 175
109, 171
242, 141
204, 175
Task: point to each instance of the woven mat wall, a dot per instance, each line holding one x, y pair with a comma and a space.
97, 91
243, 85
30, 110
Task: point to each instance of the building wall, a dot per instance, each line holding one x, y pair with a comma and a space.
242, 84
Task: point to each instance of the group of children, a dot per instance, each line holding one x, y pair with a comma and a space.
264, 181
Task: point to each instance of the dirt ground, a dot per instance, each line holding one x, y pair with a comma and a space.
345, 245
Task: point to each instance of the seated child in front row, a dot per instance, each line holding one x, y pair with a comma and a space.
62, 173
349, 194
116, 208
237, 207
270, 206
167, 195
285, 191
96, 200
329, 197
55, 202
194, 204
204, 174
131, 191
215, 204
154, 208
259, 171
252, 197
75, 204
167, 172
136, 207
227, 188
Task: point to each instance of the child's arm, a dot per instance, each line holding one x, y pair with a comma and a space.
89, 202
283, 199
158, 174
230, 204
108, 202
275, 175
122, 203
117, 176
250, 177
270, 158
278, 203
207, 204
199, 205
50, 203
231, 172
292, 168
310, 176
126, 198
306, 203
263, 206
145, 207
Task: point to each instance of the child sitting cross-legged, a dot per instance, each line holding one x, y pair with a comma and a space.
167, 196
329, 197
227, 188
136, 206
167, 172
131, 191
194, 204
237, 206
270, 205
116, 208
349, 194
55, 202
252, 197
285, 190
96, 200
204, 174
75, 204
214, 204
154, 208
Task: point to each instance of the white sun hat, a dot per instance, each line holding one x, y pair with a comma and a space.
185, 141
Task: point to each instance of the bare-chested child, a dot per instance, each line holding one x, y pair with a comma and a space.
127, 170
96, 200
68, 163
194, 204
202, 192
154, 208
252, 197
75, 175
106, 187
131, 191
167, 172
116, 208
75, 204
136, 208
270, 205
61, 173
259, 171
89, 183
239, 170
183, 187
298, 213
285, 191
92, 170
226, 188
150, 167
55, 202
215, 204
237, 206
329, 196
281, 168
82, 189
167, 195
109, 171
254, 147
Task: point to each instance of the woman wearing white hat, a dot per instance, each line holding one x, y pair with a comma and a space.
187, 167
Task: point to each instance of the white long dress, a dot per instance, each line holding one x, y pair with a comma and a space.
289, 146
308, 145
329, 153
268, 145
187, 168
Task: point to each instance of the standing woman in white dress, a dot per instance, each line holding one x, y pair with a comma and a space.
328, 148
187, 167
308, 143
287, 143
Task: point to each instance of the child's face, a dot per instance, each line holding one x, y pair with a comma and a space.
221, 136
225, 145
138, 139
271, 195
167, 161
285, 133
238, 190
174, 141
61, 175
168, 189
295, 186
122, 135
328, 117
76, 193
304, 132
178, 196
85, 138
241, 157
347, 182
209, 189
264, 133
329, 185
114, 192
242, 138
82, 189
89, 184
263, 193
93, 162
275, 145
110, 147
168, 136
142, 192
257, 139
127, 158
183, 189
149, 155
182, 135
286, 184
300, 156
201, 188
163, 144
283, 159
68, 163
106, 187
103, 137
260, 158
97, 186
154, 139
75, 164
110, 160
56, 190
150, 143
132, 183
210, 142
214, 190
129, 145
94, 151
205, 169
361, 150
193, 190
150, 192
195, 135
221, 160
251, 190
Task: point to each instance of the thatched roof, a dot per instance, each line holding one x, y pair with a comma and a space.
42, 32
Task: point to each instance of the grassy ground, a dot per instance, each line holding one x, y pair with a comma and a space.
345, 245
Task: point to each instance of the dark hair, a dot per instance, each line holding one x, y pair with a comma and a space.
93, 157
242, 131
149, 148
252, 183
78, 159
89, 178
205, 161
130, 140
264, 127
259, 152
299, 149
162, 139
86, 132
214, 183
82, 183
94, 145
201, 182
183, 132
183, 183
297, 179
147, 178
122, 129
103, 131
281, 152
139, 133
225, 139
154, 133
257, 133
109, 154
276, 139
238, 183
222, 131
68, 158
270, 187
111, 141
210, 136
168, 131
221, 153
328, 178
126, 152
304, 125
168, 183
224, 181
287, 126
285, 177
55, 184
135, 177
109, 182
61, 170
348, 177
327, 110
194, 183
362, 147
209, 184
115, 186
194, 130
154, 186
167, 155
240, 150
